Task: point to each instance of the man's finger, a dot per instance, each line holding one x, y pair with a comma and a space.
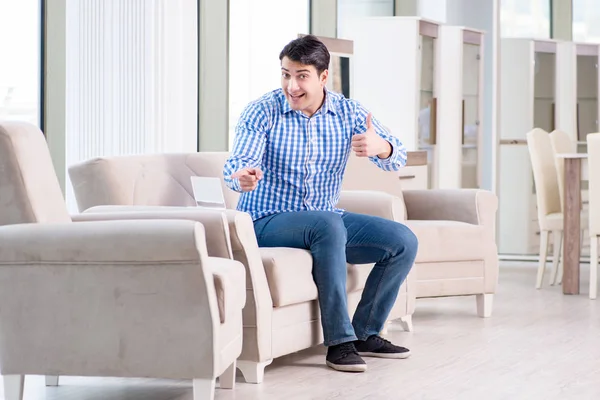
240, 173
359, 137
258, 173
248, 179
369, 122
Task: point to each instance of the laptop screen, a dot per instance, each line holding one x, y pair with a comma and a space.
208, 192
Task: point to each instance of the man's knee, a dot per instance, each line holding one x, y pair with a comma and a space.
408, 243
330, 227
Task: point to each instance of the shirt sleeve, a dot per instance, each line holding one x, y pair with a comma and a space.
249, 143
397, 159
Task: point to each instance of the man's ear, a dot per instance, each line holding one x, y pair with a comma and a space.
324, 76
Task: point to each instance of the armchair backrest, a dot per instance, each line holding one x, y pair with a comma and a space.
151, 180
164, 179
29, 188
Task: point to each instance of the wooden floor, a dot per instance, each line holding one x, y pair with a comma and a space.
539, 344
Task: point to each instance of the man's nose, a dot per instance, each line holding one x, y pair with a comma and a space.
292, 85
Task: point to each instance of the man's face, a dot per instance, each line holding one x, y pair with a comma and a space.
302, 85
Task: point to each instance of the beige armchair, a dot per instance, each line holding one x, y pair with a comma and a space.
282, 314
457, 247
119, 298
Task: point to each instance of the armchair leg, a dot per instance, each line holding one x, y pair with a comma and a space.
13, 387
484, 304
51, 380
384, 331
204, 389
406, 323
227, 379
254, 372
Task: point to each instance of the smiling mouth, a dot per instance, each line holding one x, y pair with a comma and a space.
297, 97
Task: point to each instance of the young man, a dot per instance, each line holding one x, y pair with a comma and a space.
288, 160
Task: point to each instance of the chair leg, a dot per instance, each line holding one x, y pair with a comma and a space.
254, 372
51, 380
561, 265
543, 255
204, 389
593, 266
407, 323
227, 379
557, 238
14, 386
485, 303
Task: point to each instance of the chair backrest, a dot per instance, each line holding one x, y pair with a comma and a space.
29, 188
561, 143
362, 174
151, 180
544, 174
593, 148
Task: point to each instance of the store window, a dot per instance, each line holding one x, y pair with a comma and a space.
528, 19
586, 21
20, 69
258, 31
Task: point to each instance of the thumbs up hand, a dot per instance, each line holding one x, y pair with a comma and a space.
370, 144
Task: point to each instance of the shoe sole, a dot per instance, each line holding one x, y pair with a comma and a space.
347, 368
395, 356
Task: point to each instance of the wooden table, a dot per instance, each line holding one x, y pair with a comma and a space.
575, 171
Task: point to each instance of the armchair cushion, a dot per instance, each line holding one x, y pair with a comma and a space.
446, 241
289, 274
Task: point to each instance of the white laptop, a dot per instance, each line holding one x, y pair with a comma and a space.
208, 192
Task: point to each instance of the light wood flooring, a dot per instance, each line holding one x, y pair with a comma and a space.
539, 344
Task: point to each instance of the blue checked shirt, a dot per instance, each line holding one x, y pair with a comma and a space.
303, 159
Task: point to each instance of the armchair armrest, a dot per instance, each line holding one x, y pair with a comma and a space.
473, 206
375, 203
258, 312
127, 284
134, 242
214, 221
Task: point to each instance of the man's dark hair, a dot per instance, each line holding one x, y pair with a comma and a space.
307, 50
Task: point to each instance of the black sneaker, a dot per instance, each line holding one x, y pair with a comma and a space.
376, 346
343, 357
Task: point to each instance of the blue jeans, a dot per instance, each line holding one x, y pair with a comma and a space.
335, 239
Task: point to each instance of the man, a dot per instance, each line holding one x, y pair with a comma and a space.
288, 160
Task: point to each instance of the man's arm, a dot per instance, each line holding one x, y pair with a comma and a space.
248, 145
394, 156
